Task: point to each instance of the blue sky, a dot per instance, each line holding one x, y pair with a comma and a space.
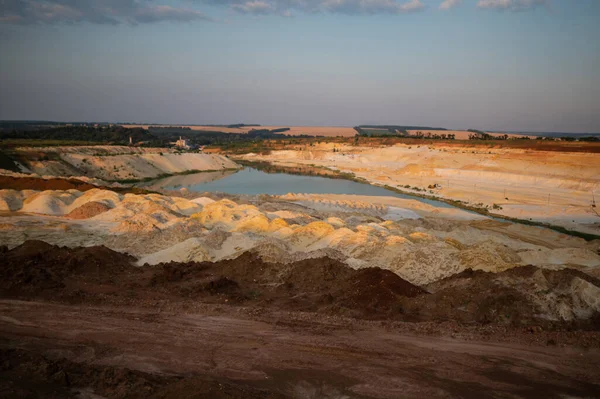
528, 65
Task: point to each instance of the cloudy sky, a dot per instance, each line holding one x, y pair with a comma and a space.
523, 65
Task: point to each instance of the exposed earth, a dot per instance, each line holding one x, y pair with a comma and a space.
117, 292
94, 324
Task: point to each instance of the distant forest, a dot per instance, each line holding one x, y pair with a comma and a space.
100, 134
60, 133
390, 130
119, 135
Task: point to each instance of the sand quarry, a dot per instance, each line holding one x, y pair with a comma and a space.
551, 187
119, 293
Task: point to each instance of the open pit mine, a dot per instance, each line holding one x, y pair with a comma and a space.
109, 290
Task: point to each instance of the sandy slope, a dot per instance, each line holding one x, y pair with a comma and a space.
420, 243
552, 187
117, 162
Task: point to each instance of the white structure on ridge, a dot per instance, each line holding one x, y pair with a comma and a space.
183, 143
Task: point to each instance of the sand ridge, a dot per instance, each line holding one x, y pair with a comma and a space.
118, 162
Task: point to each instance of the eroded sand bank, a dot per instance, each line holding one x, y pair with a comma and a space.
117, 162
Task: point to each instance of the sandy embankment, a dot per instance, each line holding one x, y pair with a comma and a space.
550, 187
117, 162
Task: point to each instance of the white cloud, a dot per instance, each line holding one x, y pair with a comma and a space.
448, 4
287, 7
254, 7
166, 13
95, 11
512, 5
370, 6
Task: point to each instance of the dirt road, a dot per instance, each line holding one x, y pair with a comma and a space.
309, 359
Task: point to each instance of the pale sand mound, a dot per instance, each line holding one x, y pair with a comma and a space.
191, 250
585, 293
489, 257
140, 223
88, 210
561, 256
203, 201
106, 197
230, 216
10, 200
50, 202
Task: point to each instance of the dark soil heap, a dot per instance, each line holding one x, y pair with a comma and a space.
37, 268
36, 183
98, 274
39, 184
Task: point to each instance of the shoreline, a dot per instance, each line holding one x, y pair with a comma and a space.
267, 167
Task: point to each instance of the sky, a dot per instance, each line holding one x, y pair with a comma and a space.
504, 65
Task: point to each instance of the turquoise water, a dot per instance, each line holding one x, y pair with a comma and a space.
252, 182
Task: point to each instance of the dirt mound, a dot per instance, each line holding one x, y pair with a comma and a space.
375, 288
37, 267
519, 297
88, 210
39, 184
321, 284
318, 275
27, 375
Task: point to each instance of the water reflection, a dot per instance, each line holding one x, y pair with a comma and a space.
187, 181
251, 181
